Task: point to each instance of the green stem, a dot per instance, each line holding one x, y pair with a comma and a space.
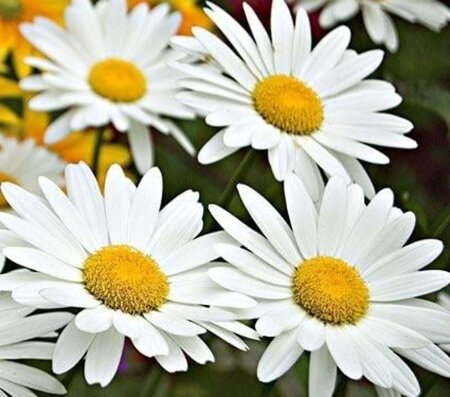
97, 149
429, 385
229, 191
151, 386
445, 216
268, 388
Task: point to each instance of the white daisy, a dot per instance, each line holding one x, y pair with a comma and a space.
16, 331
109, 66
22, 162
339, 283
305, 107
134, 270
379, 24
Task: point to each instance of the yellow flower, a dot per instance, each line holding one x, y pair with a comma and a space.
192, 14
12, 14
9, 122
78, 146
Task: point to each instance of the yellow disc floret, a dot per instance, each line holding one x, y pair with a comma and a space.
117, 80
125, 279
330, 290
288, 104
4, 177
11, 9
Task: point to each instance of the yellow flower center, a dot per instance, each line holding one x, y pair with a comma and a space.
117, 80
10, 9
330, 290
125, 279
288, 104
5, 178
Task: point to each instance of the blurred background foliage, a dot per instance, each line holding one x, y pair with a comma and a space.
420, 179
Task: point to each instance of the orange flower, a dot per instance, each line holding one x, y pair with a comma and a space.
12, 14
192, 14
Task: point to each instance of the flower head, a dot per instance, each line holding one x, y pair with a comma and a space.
108, 66
131, 269
379, 24
337, 282
307, 107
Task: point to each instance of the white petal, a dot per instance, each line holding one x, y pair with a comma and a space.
322, 373
279, 320
303, 216
103, 357
71, 346
94, 320
270, 223
279, 357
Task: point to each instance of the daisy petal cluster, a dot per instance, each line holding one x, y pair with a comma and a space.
309, 108
17, 329
339, 282
376, 15
108, 66
131, 269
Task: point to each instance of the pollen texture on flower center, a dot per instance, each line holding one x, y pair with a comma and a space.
11, 9
125, 279
330, 290
288, 104
117, 80
5, 178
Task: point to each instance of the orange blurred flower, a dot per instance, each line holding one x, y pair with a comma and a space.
12, 14
192, 14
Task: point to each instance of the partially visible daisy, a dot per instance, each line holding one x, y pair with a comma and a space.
15, 12
444, 301
17, 329
191, 13
379, 24
307, 107
133, 269
339, 283
77, 146
109, 66
23, 162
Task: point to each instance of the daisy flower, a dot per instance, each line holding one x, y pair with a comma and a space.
109, 66
379, 24
339, 283
191, 14
15, 12
17, 329
133, 270
22, 162
306, 107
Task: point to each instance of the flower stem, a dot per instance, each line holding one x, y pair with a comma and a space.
229, 191
97, 149
151, 385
